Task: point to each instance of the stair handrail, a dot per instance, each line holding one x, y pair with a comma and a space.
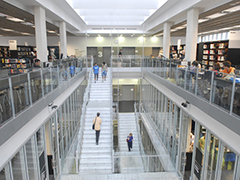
138, 129
111, 121
83, 116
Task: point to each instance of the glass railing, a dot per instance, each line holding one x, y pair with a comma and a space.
217, 88
20, 91
140, 164
89, 62
126, 61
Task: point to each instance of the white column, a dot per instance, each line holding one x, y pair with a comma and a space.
166, 38
192, 34
40, 33
63, 38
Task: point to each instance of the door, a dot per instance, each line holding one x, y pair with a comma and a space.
92, 51
107, 55
128, 51
155, 51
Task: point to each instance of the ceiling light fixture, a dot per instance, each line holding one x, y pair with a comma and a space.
3, 15
6, 29
26, 34
14, 19
51, 31
27, 24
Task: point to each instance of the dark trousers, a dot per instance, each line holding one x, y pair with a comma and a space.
96, 76
129, 146
97, 135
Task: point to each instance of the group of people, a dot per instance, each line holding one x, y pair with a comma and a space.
97, 121
227, 69
96, 71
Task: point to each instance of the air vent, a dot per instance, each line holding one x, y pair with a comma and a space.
119, 28
131, 28
96, 28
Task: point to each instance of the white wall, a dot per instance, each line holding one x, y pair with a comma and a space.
80, 43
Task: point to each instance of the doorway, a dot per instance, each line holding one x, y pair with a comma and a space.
107, 55
92, 51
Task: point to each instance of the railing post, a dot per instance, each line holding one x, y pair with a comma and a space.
41, 73
29, 88
233, 93
211, 90
11, 94
185, 77
51, 81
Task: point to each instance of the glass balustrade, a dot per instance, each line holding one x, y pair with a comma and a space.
20, 91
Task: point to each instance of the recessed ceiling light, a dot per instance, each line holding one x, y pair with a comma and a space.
233, 9
51, 31
26, 34
6, 29
14, 19
27, 23
216, 15
3, 15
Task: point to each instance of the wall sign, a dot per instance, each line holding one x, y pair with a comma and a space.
12, 45
100, 54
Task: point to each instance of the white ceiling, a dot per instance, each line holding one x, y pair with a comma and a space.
115, 12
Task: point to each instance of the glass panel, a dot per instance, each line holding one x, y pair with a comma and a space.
236, 102
199, 153
32, 159
222, 89
46, 81
55, 76
5, 101
180, 76
36, 88
204, 84
183, 140
20, 92
4, 173
228, 164
212, 157
18, 166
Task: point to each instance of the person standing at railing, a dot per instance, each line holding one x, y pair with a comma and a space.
72, 70
130, 141
95, 71
120, 58
104, 71
97, 121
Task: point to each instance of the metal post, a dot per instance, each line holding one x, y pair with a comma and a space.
211, 90
41, 73
58, 75
185, 78
233, 93
51, 80
196, 83
11, 95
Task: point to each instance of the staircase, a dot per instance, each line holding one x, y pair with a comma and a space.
132, 163
97, 159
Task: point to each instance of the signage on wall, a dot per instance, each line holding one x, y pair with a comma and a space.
100, 54
12, 45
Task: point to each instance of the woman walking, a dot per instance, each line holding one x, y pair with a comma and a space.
130, 141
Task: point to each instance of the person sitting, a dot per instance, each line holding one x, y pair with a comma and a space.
217, 69
227, 68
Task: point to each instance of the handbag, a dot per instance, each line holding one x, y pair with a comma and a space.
93, 126
127, 140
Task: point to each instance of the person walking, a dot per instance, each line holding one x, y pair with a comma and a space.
104, 71
97, 121
130, 141
95, 71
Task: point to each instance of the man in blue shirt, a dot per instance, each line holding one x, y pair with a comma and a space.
72, 70
95, 70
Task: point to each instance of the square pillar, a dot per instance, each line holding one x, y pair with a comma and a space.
192, 34
166, 38
63, 39
40, 33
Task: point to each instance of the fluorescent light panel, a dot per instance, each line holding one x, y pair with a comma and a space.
14, 19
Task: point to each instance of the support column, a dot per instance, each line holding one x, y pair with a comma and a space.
40, 33
166, 38
192, 34
63, 39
